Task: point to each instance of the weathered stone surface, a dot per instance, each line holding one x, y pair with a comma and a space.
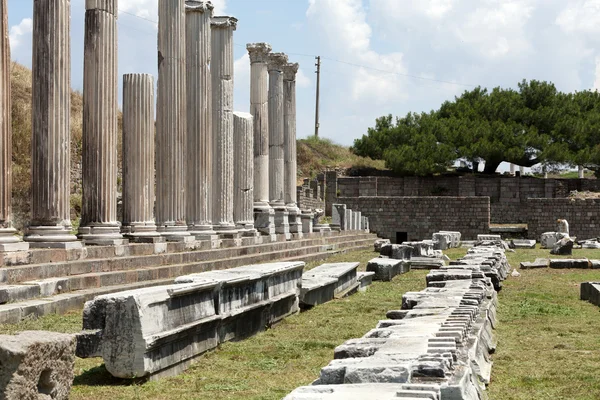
159, 329
397, 251
424, 248
289, 146
549, 239
379, 243
386, 269
426, 263
327, 281
276, 130
590, 244
581, 263
99, 224
338, 217
523, 244
563, 247
538, 263
36, 365
488, 238
51, 131
366, 279
590, 291
444, 240
243, 180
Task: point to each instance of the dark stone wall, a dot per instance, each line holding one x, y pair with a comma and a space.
583, 216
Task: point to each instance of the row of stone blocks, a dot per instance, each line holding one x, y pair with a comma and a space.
437, 346
343, 218
157, 331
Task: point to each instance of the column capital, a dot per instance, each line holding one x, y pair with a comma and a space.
289, 71
259, 52
199, 6
224, 22
110, 6
277, 61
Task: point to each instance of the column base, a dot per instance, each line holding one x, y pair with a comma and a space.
205, 233
282, 223
142, 233
52, 237
176, 233
322, 228
295, 221
102, 235
10, 243
13, 247
307, 221
264, 220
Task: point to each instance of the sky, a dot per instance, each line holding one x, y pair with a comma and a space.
379, 57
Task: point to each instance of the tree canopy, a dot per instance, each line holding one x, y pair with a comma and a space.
531, 125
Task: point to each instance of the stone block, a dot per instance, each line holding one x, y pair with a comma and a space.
379, 243
549, 239
590, 291
538, 263
386, 269
426, 263
488, 238
523, 244
366, 279
397, 251
560, 263
327, 281
563, 247
338, 217
36, 365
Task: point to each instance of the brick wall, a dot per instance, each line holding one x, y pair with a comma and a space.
306, 199
583, 216
420, 217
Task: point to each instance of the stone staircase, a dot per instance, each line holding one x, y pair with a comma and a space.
41, 282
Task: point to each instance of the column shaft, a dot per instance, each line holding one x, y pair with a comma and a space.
276, 130
99, 223
222, 120
243, 155
171, 120
289, 145
138, 156
51, 129
199, 149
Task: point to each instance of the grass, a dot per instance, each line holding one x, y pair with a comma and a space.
549, 347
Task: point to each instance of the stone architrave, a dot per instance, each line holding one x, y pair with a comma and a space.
171, 110
51, 131
199, 148
243, 154
221, 69
289, 145
259, 108
99, 223
338, 217
8, 240
138, 158
276, 143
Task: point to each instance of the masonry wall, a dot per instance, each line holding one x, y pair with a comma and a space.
508, 195
306, 199
583, 216
420, 217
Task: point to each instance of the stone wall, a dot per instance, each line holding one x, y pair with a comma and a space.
307, 200
508, 195
420, 217
583, 216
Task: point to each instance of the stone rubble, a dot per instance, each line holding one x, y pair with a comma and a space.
385, 269
563, 247
36, 365
437, 346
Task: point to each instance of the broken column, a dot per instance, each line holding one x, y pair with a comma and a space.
138, 158
289, 144
243, 154
199, 131
222, 124
171, 122
51, 131
36, 365
99, 223
276, 143
8, 240
259, 108
338, 217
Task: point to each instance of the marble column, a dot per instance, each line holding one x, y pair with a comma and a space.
99, 223
8, 240
580, 172
289, 145
512, 169
259, 108
138, 158
276, 143
243, 154
199, 149
171, 110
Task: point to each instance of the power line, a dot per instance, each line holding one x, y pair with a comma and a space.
343, 62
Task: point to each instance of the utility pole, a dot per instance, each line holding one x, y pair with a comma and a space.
318, 64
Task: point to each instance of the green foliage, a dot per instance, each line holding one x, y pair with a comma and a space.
531, 125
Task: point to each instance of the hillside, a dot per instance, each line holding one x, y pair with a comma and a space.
317, 154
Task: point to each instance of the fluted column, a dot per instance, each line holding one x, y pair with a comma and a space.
8, 240
289, 145
222, 120
51, 130
259, 108
199, 148
243, 154
276, 142
99, 223
138, 158
171, 121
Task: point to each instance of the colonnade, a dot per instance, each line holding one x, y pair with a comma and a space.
219, 174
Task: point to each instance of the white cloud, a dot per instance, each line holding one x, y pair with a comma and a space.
597, 75
149, 8
21, 32
302, 80
241, 70
580, 16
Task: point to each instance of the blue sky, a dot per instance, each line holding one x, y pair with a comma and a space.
393, 56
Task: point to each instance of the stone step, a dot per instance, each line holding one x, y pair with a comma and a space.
34, 272
73, 299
